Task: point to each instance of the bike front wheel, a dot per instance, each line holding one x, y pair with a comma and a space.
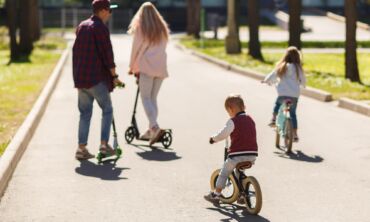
230, 193
252, 194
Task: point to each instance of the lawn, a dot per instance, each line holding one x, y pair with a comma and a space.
22, 82
323, 71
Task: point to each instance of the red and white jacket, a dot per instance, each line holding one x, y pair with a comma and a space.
242, 132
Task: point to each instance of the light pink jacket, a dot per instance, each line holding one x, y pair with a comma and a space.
148, 59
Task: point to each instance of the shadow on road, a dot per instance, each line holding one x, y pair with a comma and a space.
236, 213
155, 153
106, 171
300, 156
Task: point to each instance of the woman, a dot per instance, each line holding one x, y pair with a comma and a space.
149, 61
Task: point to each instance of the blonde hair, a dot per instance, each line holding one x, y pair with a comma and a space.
234, 101
152, 24
292, 55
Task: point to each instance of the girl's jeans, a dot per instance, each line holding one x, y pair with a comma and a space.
228, 168
149, 88
85, 105
293, 108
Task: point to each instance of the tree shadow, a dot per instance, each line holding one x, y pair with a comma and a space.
299, 156
156, 153
236, 213
105, 171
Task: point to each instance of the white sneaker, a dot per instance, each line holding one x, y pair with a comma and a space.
147, 135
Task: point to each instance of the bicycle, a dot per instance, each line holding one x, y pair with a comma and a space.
242, 188
284, 126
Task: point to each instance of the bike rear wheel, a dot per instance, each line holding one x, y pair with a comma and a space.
230, 193
288, 139
253, 195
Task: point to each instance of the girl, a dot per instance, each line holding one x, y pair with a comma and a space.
288, 76
149, 61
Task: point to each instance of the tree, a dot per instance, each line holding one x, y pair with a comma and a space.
12, 15
193, 17
233, 45
253, 22
350, 12
295, 24
29, 25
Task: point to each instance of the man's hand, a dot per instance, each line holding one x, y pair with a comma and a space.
118, 83
211, 141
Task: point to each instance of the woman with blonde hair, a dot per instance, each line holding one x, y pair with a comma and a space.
149, 61
288, 77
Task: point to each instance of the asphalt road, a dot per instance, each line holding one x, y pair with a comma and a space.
327, 179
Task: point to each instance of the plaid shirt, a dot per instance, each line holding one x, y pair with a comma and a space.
92, 54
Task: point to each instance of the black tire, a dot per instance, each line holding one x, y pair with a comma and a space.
130, 134
288, 139
166, 139
253, 195
277, 140
230, 193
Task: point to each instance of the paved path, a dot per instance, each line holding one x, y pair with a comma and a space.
323, 29
326, 180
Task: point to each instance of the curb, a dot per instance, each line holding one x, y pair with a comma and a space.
18, 144
355, 106
308, 91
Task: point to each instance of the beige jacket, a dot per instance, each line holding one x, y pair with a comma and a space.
148, 59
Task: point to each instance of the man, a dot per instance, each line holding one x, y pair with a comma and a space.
94, 75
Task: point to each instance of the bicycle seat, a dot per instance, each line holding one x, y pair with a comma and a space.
244, 165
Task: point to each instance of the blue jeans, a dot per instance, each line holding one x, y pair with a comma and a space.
85, 105
293, 108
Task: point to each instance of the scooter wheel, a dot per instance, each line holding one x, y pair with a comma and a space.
167, 139
130, 134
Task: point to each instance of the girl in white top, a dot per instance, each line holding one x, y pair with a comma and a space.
288, 76
149, 61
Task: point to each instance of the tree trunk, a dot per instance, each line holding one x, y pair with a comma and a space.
253, 22
193, 17
35, 23
26, 40
295, 24
233, 45
352, 72
12, 15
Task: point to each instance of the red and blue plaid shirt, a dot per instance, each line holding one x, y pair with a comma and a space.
92, 54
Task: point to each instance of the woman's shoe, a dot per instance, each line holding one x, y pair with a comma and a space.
147, 135
158, 133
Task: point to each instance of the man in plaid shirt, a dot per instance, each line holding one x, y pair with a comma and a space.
94, 75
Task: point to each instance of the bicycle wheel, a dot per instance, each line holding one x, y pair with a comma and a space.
230, 193
277, 140
253, 195
288, 137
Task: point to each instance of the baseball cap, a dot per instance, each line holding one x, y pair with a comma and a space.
102, 4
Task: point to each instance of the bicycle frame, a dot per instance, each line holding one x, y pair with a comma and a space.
284, 114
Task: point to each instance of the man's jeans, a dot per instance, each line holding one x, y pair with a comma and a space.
85, 105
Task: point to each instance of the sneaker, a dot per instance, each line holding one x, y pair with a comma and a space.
157, 134
106, 150
83, 154
212, 197
147, 135
241, 200
272, 123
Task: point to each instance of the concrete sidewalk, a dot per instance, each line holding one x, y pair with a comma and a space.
326, 174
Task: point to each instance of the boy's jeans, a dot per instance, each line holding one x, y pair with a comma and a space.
85, 105
228, 168
293, 108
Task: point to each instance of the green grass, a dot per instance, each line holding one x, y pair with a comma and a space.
21, 82
323, 71
209, 43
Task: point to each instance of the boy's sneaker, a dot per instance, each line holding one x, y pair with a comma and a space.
158, 133
83, 154
147, 135
272, 123
106, 150
212, 197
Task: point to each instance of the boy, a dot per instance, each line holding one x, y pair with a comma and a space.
242, 131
